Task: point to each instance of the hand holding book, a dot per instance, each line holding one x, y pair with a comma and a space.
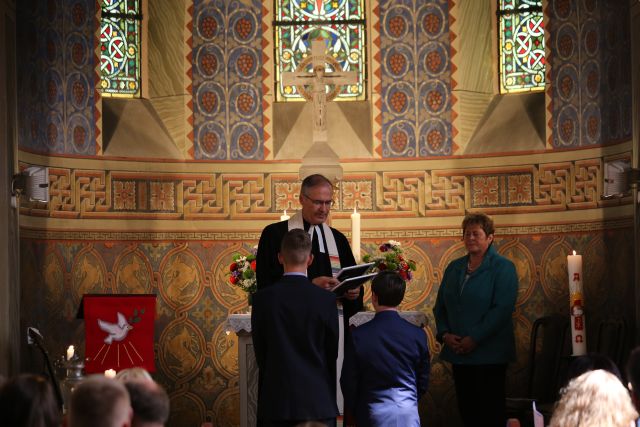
352, 277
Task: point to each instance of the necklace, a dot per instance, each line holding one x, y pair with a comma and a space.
470, 269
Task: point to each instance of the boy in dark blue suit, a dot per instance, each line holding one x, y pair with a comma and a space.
386, 362
294, 325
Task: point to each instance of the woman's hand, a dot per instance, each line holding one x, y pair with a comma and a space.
460, 345
452, 341
467, 345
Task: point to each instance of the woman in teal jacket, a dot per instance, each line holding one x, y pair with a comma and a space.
473, 313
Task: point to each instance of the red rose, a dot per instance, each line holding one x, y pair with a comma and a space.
403, 274
233, 280
233, 266
382, 266
253, 265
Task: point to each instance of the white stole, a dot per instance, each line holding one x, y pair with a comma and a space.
296, 221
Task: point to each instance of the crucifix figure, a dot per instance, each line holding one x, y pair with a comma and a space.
318, 80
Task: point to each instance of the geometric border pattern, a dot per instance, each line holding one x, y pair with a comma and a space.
377, 235
112, 194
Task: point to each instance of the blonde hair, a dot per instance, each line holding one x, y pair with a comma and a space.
594, 399
133, 374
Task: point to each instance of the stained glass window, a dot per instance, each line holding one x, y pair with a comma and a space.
521, 49
340, 23
120, 48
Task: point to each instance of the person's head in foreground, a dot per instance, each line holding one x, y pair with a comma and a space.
133, 374
594, 399
387, 290
633, 374
295, 250
149, 401
28, 400
100, 402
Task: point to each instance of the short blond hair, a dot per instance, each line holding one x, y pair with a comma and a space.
134, 374
594, 399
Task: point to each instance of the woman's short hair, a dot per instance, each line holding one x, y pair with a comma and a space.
594, 399
484, 220
28, 401
133, 374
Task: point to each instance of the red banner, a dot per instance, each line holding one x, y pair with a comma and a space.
119, 332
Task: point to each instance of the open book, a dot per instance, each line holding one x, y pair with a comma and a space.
352, 277
353, 271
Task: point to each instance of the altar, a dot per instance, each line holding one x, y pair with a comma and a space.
248, 368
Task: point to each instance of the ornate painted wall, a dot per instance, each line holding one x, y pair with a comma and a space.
57, 75
227, 80
589, 71
197, 360
134, 225
415, 57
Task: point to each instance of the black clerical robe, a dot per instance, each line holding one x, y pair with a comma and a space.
269, 270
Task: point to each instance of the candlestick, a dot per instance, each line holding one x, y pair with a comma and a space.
284, 216
110, 373
70, 352
355, 234
576, 305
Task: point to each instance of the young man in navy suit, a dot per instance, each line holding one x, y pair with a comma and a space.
386, 363
294, 325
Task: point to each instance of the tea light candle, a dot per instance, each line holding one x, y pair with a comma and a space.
110, 373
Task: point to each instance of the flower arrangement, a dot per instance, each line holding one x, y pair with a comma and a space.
242, 272
393, 259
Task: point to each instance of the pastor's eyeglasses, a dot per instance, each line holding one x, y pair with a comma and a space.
318, 203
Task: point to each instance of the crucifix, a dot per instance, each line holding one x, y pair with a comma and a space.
313, 87
318, 80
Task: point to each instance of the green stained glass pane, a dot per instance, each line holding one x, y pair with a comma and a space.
340, 23
521, 33
120, 48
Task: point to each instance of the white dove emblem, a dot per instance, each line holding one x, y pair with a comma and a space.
117, 332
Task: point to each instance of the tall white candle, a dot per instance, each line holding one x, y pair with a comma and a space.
355, 234
70, 352
284, 216
576, 305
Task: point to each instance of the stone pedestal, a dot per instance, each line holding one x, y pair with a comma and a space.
241, 325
